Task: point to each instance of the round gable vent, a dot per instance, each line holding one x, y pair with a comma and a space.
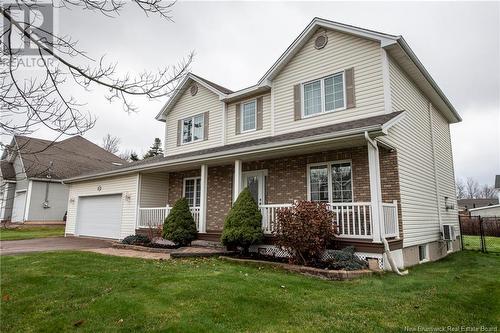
194, 89
320, 42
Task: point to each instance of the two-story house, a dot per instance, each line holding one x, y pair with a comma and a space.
345, 116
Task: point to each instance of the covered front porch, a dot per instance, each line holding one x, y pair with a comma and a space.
356, 178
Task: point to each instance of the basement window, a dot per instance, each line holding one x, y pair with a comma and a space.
423, 253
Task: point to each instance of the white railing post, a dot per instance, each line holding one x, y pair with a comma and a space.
203, 199
237, 179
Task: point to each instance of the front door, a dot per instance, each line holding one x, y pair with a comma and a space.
256, 183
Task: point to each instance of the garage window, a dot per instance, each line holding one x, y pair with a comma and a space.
192, 191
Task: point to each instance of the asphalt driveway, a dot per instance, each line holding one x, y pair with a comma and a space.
51, 244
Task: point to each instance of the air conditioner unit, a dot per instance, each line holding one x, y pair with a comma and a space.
448, 232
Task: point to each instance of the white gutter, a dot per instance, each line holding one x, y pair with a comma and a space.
235, 152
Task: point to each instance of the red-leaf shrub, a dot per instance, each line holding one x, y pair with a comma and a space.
304, 231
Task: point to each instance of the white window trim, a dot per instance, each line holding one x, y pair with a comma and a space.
241, 115
426, 259
322, 91
196, 179
192, 130
330, 188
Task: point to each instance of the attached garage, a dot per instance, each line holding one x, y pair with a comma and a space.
105, 207
99, 216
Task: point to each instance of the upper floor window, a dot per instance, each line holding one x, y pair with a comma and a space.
324, 95
192, 128
249, 116
330, 182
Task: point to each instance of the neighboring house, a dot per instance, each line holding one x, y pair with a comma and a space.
486, 211
345, 116
32, 170
468, 204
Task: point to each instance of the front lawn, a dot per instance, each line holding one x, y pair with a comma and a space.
30, 232
87, 292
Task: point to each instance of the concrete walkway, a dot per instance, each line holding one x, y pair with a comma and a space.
51, 244
131, 253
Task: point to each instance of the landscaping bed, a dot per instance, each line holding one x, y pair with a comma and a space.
328, 274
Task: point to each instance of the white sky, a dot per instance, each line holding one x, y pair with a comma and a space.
236, 42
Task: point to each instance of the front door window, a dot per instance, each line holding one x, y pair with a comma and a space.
255, 181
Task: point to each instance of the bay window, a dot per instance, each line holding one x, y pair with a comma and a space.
324, 95
330, 182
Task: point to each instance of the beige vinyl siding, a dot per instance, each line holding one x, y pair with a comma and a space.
154, 190
444, 168
413, 140
187, 106
342, 52
232, 137
126, 185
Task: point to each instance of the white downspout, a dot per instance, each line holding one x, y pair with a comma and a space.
387, 249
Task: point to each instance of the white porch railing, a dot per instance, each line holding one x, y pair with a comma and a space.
390, 219
269, 214
155, 216
354, 219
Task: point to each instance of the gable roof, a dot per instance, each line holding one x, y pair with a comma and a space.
374, 124
45, 159
395, 46
219, 90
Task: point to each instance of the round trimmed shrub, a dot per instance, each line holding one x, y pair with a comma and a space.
179, 226
243, 223
136, 240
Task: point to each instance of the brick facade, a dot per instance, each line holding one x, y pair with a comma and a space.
219, 195
287, 177
389, 180
287, 180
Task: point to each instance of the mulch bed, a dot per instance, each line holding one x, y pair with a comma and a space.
338, 275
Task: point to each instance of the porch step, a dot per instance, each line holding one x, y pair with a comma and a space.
207, 243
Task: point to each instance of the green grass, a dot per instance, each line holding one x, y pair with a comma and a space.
50, 292
31, 232
474, 243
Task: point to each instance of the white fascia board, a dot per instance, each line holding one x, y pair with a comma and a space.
409, 52
384, 40
387, 125
483, 208
239, 152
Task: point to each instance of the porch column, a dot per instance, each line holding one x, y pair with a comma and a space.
203, 198
237, 179
375, 190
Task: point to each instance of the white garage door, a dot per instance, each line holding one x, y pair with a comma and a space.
18, 207
99, 216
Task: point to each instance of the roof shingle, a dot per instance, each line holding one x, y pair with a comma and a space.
63, 159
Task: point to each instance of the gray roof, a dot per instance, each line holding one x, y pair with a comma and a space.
497, 181
63, 159
214, 85
476, 203
330, 129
